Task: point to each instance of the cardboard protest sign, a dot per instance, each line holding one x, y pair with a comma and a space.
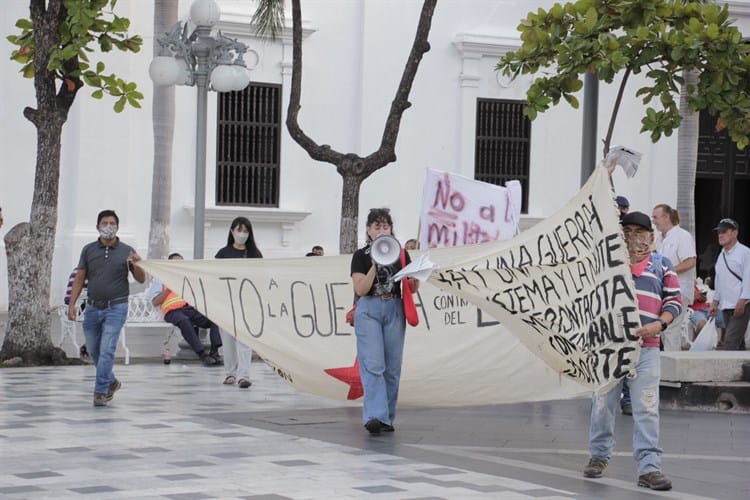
457, 210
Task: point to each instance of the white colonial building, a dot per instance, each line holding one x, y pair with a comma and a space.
353, 56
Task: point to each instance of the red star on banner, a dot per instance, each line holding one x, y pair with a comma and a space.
349, 375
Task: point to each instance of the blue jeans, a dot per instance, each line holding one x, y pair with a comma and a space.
379, 327
644, 391
101, 327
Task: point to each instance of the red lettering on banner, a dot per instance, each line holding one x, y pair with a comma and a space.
487, 213
443, 196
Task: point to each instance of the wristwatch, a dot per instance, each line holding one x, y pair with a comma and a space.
663, 324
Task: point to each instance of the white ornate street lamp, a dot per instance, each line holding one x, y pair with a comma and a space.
196, 59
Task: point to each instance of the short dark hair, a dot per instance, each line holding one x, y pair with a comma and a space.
173, 255
107, 213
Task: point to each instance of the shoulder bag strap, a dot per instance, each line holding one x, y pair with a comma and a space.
729, 268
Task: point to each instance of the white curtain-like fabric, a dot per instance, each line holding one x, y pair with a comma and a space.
546, 315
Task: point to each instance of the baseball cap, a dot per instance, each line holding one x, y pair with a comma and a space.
637, 219
622, 202
727, 224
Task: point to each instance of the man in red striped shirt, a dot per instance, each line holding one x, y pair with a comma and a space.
659, 302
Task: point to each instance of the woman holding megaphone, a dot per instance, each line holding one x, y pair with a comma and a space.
379, 323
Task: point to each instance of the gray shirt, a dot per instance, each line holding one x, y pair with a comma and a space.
106, 269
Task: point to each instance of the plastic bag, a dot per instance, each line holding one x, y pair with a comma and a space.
707, 338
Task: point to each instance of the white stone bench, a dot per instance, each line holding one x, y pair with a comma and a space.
141, 314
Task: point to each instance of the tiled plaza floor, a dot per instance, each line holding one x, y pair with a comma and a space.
176, 432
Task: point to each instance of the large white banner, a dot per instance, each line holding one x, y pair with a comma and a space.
557, 299
457, 210
564, 287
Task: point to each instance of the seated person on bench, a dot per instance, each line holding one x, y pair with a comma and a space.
181, 314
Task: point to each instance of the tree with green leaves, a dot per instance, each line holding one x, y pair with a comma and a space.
54, 48
353, 168
665, 40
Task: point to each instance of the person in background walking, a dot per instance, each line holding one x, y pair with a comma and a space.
237, 356
677, 245
732, 285
105, 264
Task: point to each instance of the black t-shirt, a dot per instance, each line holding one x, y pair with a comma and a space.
229, 252
382, 285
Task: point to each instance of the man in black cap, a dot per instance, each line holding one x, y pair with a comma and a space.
654, 277
732, 285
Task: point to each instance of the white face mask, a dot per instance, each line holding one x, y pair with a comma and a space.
108, 231
240, 237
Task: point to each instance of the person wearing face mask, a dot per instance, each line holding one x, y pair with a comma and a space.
379, 326
105, 263
237, 356
659, 302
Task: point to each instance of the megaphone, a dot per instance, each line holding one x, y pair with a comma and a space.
385, 250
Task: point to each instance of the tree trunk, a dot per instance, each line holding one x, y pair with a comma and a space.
353, 168
687, 155
165, 16
29, 246
349, 214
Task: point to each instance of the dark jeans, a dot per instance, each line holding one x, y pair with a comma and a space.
625, 401
186, 319
734, 338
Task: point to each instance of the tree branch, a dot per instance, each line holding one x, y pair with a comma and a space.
316, 152
387, 151
615, 109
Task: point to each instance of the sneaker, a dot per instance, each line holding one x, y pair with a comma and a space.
388, 428
214, 353
374, 426
244, 383
627, 410
100, 399
595, 467
113, 387
207, 359
655, 480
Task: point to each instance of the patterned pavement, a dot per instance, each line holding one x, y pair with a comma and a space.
176, 432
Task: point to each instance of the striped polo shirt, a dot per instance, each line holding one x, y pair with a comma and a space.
656, 295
